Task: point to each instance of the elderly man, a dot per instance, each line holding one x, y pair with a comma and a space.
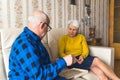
29, 59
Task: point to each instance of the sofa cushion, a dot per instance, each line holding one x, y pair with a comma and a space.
90, 76
53, 37
8, 35
6, 60
104, 53
2, 66
2, 69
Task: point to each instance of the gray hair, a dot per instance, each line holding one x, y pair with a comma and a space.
74, 23
37, 18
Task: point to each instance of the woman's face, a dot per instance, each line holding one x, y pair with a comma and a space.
72, 30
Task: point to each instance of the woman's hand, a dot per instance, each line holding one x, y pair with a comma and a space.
80, 60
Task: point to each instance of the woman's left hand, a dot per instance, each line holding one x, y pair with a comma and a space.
80, 60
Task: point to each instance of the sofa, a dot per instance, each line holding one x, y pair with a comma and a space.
8, 35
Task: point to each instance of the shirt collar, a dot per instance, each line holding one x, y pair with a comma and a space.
31, 34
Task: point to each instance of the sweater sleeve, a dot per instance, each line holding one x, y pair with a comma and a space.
85, 51
61, 46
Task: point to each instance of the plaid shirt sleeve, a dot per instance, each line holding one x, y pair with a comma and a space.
30, 61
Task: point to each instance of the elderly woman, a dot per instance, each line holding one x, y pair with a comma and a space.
74, 43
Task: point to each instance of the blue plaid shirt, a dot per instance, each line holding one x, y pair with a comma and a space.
29, 59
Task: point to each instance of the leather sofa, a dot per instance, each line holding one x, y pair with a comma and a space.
8, 35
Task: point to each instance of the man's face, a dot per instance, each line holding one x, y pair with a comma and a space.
72, 30
45, 29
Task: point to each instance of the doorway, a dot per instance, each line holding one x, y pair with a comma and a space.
114, 35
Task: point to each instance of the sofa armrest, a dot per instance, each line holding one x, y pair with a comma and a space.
104, 53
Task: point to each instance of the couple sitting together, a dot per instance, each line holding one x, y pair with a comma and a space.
29, 59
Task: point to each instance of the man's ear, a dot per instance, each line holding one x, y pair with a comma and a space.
41, 25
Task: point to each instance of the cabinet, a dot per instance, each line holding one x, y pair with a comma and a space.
114, 33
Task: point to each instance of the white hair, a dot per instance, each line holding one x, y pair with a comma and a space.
37, 18
74, 23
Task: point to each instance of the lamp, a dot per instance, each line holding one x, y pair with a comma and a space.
87, 4
87, 19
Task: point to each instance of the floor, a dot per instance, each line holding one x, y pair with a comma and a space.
117, 68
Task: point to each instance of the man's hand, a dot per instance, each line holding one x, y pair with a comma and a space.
80, 60
70, 59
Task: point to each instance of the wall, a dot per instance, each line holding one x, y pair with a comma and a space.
14, 13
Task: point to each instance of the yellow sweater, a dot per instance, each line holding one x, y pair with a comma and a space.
73, 45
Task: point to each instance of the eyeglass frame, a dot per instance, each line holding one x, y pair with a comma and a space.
49, 27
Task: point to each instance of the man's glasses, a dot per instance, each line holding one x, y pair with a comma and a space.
49, 28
